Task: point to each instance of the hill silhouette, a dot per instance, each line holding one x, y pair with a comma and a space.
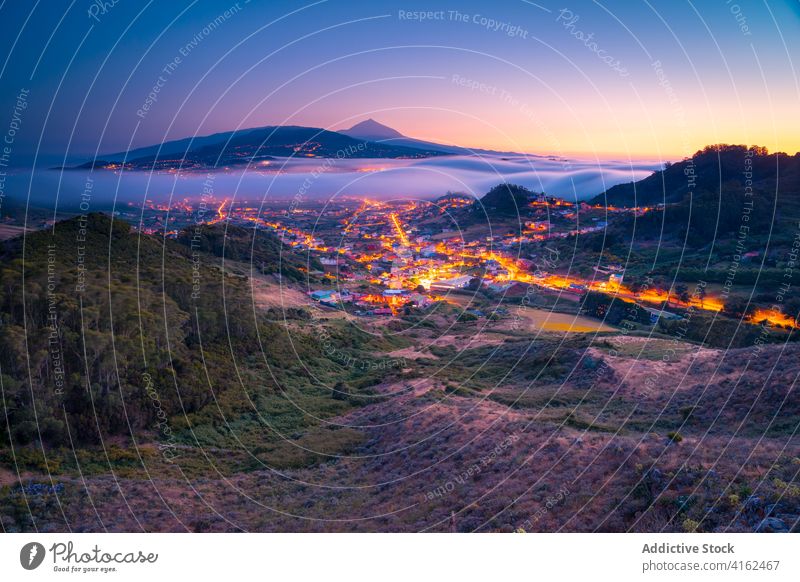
713, 169
505, 199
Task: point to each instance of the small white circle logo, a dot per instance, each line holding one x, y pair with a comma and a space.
31, 555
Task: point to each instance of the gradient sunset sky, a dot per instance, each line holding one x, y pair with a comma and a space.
655, 80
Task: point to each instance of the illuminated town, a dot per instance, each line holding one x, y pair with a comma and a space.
378, 257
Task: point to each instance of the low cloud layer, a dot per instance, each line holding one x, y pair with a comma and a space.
315, 179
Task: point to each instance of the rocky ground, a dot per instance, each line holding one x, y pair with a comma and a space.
639, 436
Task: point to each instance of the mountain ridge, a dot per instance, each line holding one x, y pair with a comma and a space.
242, 147
366, 139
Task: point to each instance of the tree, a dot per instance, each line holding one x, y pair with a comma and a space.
682, 291
612, 310
474, 284
735, 308
634, 284
792, 307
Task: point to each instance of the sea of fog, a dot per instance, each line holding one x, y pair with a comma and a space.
322, 179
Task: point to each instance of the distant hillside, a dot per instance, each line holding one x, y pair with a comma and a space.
367, 139
178, 146
258, 145
505, 199
711, 170
459, 196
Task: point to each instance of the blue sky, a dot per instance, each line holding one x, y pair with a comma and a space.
510, 75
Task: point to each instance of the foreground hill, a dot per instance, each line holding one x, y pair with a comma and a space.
260, 249
145, 390
109, 333
588, 446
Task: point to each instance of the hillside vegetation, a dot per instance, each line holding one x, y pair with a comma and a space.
108, 333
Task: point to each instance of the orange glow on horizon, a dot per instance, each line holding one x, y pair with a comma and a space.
626, 129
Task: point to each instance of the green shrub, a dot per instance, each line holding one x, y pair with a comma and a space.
690, 525
675, 437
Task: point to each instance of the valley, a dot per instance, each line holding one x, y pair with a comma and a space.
452, 364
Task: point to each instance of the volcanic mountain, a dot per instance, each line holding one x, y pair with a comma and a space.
241, 147
373, 131
250, 146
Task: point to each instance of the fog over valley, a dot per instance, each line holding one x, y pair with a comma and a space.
316, 178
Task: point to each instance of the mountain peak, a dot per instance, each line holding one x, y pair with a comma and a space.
372, 130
